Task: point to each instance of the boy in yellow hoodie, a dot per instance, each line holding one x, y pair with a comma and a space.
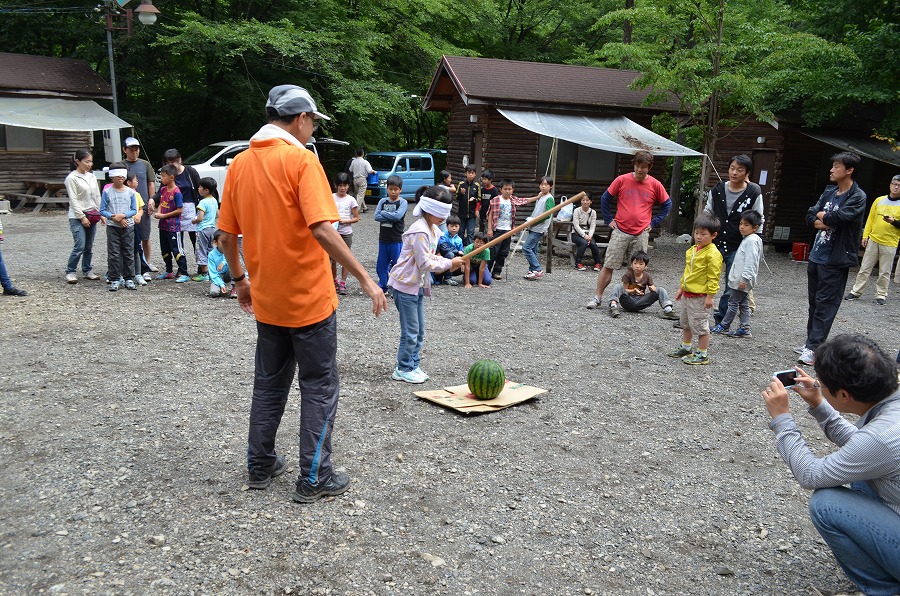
698, 287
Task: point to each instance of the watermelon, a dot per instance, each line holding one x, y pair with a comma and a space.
486, 379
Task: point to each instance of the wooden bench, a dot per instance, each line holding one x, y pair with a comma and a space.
60, 198
560, 237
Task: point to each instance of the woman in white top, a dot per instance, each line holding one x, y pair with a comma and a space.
84, 197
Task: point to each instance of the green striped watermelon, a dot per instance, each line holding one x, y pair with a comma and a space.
486, 379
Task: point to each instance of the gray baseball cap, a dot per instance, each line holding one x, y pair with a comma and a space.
289, 100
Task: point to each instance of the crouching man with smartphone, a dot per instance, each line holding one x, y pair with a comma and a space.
860, 522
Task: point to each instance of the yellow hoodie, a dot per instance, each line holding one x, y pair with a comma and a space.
702, 269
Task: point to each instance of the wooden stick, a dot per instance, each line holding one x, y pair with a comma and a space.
527, 224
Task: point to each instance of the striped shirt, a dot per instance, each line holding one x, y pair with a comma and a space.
868, 450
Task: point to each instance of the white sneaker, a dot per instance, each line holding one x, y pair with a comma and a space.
594, 303
422, 374
129, 285
808, 357
799, 349
139, 280
153, 268
147, 276
409, 376
71, 278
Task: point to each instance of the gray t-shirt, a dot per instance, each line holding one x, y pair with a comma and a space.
731, 197
144, 172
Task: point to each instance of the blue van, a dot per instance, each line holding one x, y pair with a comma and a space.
415, 168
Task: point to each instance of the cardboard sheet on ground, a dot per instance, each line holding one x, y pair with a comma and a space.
460, 399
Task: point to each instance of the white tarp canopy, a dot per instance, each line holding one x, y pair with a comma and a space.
57, 114
616, 133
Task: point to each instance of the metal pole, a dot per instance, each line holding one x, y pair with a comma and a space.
112, 64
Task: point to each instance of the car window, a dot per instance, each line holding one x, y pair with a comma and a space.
381, 163
401, 165
203, 155
420, 164
222, 160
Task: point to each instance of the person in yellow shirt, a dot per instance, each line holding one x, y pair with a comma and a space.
880, 238
699, 284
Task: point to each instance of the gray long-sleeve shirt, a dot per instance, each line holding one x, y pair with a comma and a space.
869, 450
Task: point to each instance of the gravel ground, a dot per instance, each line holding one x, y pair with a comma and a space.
124, 438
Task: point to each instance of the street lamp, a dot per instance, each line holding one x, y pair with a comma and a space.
147, 14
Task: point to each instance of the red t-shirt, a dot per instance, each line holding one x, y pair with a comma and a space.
635, 201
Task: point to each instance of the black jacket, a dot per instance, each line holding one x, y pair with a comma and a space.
729, 237
847, 222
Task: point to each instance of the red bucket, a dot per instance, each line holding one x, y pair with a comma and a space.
800, 251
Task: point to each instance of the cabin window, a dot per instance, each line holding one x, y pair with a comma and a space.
575, 162
15, 138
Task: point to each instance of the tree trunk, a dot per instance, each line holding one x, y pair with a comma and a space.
671, 224
711, 130
626, 38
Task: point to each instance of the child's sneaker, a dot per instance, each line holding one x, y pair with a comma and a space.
530, 275
669, 313
592, 303
147, 276
808, 357
182, 278
580, 267
342, 288
139, 280
200, 277
596, 266
408, 376
696, 358
422, 373
113, 286
614, 309
719, 329
538, 274
739, 332
129, 285
166, 276
233, 293
452, 282
680, 352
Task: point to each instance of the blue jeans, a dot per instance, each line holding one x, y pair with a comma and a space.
530, 250
411, 308
863, 534
467, 229
722, 309
5, 281
83, 247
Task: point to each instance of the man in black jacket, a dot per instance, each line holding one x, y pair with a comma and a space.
838, 217
727, 200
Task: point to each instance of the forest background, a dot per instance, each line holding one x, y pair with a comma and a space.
201, 73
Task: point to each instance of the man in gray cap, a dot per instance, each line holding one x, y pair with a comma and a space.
146, 178
276, 195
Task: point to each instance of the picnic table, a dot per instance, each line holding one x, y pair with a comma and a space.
52, 191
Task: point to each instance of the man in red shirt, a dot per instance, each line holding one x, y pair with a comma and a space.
636, 194
277, 196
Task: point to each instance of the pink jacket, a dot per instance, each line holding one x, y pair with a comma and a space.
418, 259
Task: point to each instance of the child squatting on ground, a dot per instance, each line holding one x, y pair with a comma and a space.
637, 291
410, 279
698, 286
450, 245
476, 268
217, 266
742, 276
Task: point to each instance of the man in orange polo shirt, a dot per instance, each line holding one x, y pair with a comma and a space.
276, 195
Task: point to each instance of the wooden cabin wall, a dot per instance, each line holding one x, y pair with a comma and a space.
53, 163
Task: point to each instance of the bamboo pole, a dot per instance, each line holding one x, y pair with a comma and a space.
527, 224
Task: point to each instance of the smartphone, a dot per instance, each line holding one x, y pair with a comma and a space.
788, 378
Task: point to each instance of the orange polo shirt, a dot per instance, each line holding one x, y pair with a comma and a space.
273, 193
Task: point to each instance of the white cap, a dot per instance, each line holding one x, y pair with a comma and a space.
131, 142
290, 100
